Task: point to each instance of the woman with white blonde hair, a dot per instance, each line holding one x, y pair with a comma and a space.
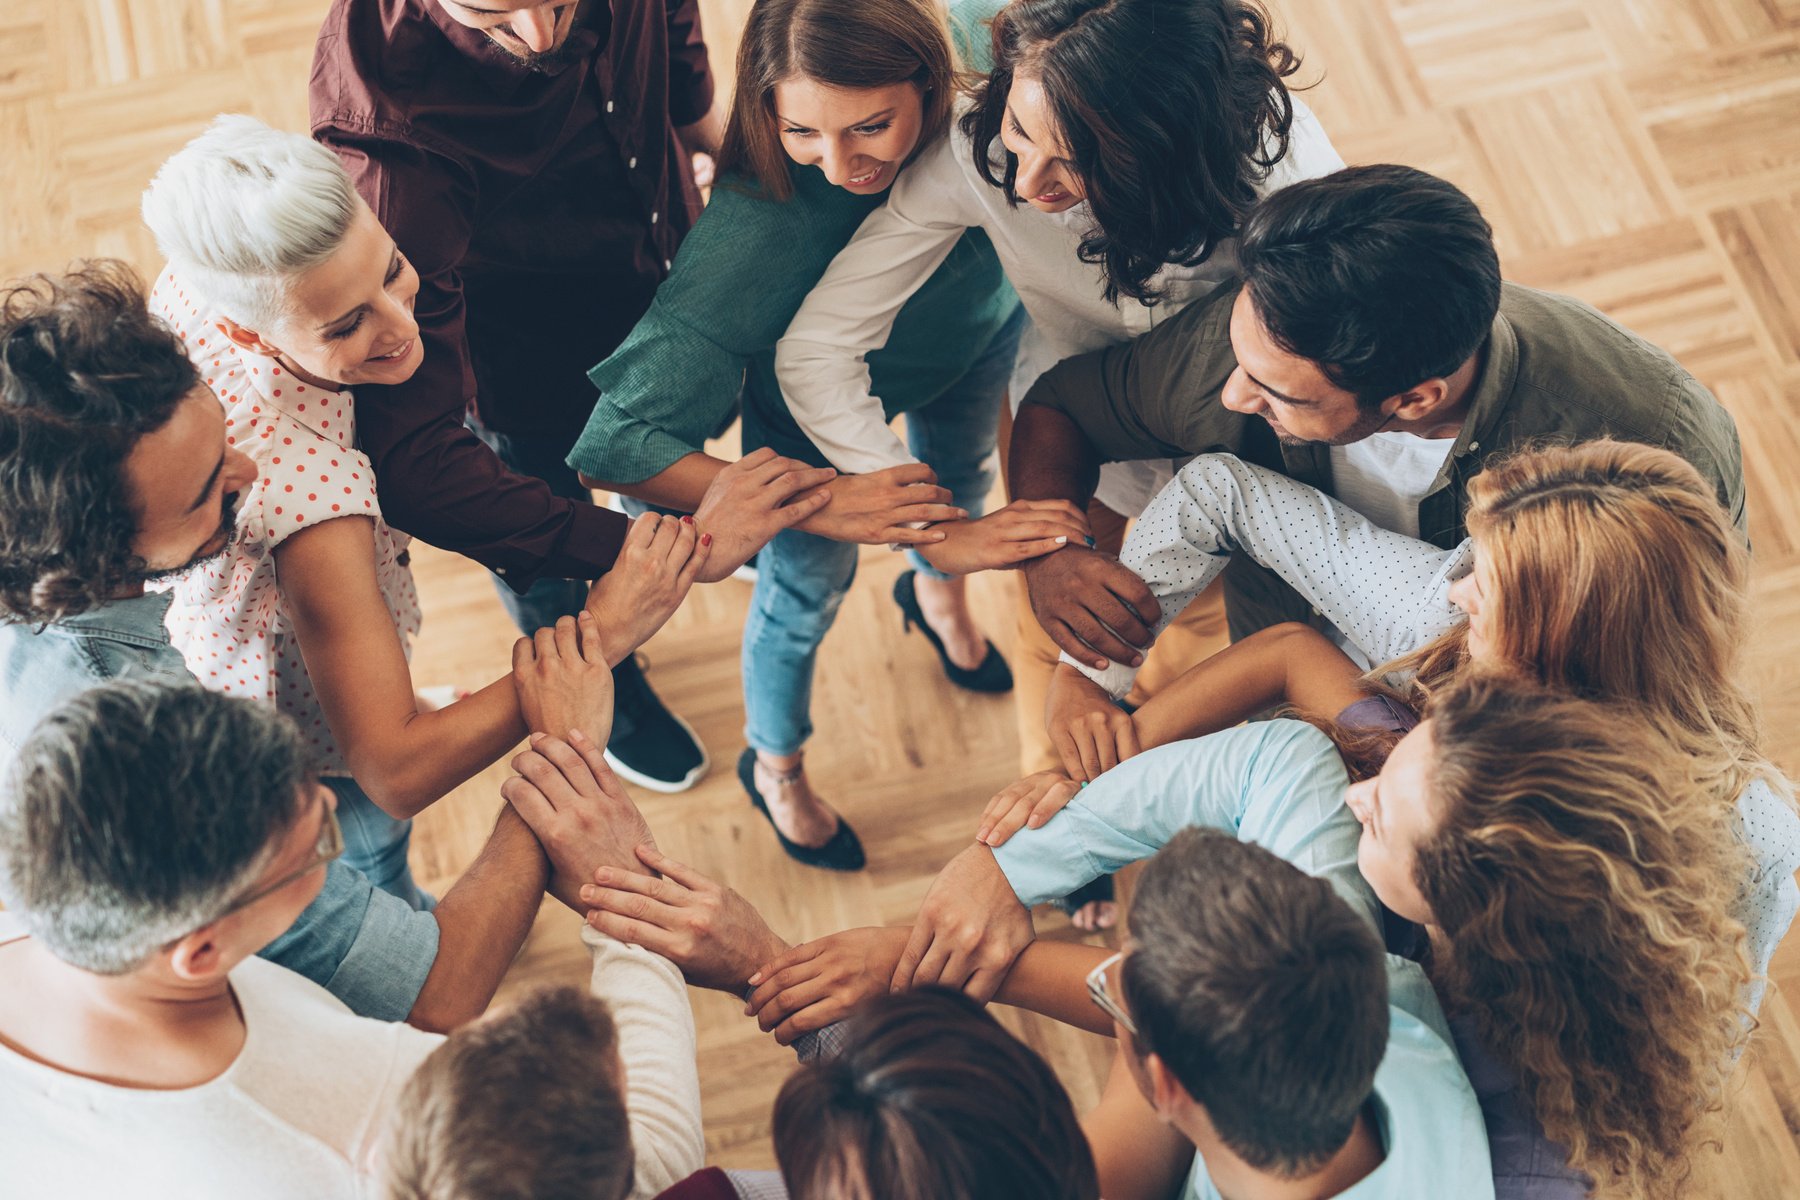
287, 293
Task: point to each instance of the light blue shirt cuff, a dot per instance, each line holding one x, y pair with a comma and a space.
366, 947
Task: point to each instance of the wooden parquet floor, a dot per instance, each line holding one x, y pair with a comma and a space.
1641, 154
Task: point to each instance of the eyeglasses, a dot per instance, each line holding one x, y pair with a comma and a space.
330, 845
1101, 994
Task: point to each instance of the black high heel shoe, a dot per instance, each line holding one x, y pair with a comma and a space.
843, 852
992, 676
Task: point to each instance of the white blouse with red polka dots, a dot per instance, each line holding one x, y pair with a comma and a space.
228, 618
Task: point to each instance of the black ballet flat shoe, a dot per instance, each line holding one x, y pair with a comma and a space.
843, 852
992, 676
1097, 890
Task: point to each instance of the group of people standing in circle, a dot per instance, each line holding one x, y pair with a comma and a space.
1490, 859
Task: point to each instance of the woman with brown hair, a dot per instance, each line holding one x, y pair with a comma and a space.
834, 100
918, 1096
1108, 158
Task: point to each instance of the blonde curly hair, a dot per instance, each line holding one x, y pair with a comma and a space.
1585, 892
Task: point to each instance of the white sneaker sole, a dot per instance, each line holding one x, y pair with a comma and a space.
663, 785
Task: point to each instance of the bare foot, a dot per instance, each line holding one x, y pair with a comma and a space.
802, 817
944, 603
1095, 915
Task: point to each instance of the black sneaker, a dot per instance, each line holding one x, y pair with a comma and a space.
650, 746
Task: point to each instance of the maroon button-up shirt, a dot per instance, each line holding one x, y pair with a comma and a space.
541, 209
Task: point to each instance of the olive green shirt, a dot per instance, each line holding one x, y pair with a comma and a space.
1553, 369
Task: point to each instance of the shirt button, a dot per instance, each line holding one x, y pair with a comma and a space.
499, 570
609, 105
668, 264
653, 217
631, 164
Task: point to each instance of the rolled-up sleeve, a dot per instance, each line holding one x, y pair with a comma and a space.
675, 379
368, 948
1388, 593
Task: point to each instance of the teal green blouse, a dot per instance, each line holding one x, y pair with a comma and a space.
739, 278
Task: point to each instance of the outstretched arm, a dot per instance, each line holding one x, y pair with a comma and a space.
649, 1004
482, 922
404, 758
1388, 593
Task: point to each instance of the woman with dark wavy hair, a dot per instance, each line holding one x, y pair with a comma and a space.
1109, 157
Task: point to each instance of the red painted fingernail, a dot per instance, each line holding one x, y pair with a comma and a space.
706, 539
689, 519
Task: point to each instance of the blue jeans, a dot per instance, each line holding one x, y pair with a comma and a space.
375, 843
548, 599
801, 579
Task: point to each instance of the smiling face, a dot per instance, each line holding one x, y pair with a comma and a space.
532, 31
1291, 393
1398, 813
859, 137
1046, 178
184, 482
348, 320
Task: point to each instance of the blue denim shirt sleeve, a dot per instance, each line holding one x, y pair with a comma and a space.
1277, 783
369, 949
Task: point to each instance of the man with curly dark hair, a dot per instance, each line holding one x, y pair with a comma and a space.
117, 469
103, 421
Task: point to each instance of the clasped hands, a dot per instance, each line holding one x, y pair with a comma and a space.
753, 499
605, 864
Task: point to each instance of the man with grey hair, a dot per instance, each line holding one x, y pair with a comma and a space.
145, 1051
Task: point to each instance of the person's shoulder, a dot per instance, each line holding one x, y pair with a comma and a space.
369, 54
969, 21
1282, 747
287, 1013
1770, 824
743, 218
1310, 153
1566, 345
1434, 1122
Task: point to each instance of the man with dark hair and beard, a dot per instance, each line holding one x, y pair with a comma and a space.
115, 471
531, 159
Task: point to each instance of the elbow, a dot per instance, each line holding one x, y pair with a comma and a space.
399, 792
792, 360
436, 1013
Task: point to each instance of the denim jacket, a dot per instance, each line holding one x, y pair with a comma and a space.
40, 667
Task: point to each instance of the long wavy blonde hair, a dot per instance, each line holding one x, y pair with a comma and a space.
1619, 577
1586, 891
